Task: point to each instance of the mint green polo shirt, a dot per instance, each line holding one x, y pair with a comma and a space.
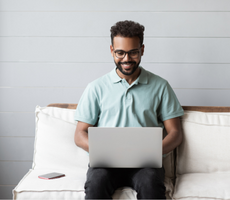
111, 102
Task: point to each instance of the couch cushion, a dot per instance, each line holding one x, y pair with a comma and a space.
54, 140
70, 187
205, 147
32, 187
202, 186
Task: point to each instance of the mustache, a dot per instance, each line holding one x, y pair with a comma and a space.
125, 63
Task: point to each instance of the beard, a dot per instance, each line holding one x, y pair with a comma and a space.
135, 66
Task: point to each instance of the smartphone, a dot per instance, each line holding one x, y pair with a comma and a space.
52, 175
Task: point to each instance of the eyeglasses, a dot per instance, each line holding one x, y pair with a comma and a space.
132, 54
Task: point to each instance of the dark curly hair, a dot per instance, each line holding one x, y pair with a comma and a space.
128, 29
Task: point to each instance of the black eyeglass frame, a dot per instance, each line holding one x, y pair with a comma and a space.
127, 52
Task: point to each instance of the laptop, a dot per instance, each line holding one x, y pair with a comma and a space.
129, 147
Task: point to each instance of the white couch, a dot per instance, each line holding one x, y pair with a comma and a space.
201, 170
203, 158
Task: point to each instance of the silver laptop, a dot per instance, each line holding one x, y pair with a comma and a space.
125, 147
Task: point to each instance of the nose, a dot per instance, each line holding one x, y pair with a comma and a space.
126, 58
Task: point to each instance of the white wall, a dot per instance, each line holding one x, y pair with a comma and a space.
51, 49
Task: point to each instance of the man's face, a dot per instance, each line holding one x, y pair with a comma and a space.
128, 64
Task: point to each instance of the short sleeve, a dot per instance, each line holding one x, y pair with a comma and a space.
169, 107
88, 107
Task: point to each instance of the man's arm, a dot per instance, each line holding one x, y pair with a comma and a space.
81, 135
174, 136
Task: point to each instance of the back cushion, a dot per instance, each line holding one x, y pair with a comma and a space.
205, 146
54, 140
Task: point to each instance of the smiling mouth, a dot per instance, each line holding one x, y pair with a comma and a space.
127, 65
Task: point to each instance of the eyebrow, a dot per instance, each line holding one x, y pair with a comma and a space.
126, 51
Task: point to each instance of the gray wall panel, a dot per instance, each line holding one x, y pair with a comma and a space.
16, 148
194, 97
55, 49
120, 5
51, 74
17, 124
26, 99
7, 175
80, 74
6, 191
160, 24
189, 50
193, 76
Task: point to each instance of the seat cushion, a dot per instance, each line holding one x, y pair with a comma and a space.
202, 186
205, 147
70, 187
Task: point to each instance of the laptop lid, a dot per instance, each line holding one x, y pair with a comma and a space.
127, 147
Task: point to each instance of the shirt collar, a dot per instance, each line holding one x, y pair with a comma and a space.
143, 77
114, 76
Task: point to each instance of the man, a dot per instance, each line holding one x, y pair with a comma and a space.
128, 96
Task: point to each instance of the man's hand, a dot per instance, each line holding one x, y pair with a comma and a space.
81, 135
174, 136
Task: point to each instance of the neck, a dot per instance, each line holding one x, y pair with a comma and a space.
131, 78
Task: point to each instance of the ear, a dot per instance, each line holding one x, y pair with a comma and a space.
142, 50
111, 49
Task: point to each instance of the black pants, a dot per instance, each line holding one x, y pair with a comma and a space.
101, 183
